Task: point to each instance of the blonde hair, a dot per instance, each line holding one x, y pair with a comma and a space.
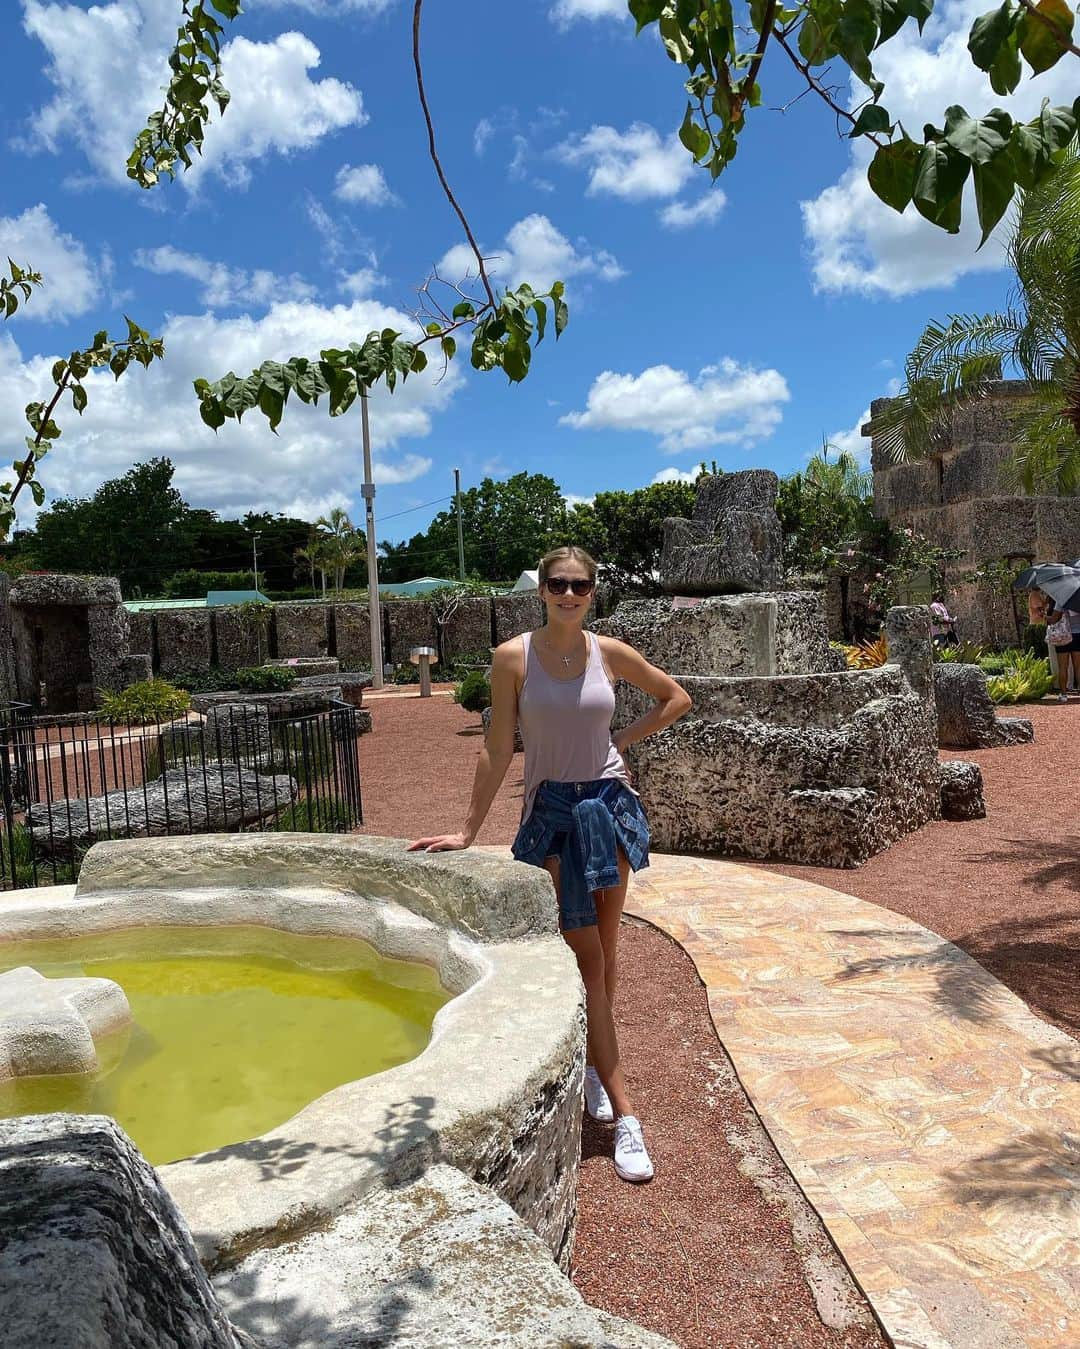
571, 552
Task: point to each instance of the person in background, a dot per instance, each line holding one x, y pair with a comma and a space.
1068, 654
942, 623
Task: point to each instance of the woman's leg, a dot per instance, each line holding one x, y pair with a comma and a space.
1064, 661
603, 1045
609, 908
1076, 671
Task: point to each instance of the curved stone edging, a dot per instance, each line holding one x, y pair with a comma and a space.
496, 1092
929, 1117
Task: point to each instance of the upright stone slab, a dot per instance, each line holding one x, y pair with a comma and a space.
802, 634
721, 634
409, 623
966, 715
516, 613
733, 543
352, 627
466, 630
141, 632
93, 1253
236, 638
183, 640
237, 732
302, 629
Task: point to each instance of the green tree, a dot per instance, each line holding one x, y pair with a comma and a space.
338, 544
625, 531
954, 363
507, 528
824, 507
133, 527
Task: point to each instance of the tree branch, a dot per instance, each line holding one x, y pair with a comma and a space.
29, 461
417, 8
1060, 36
803, 67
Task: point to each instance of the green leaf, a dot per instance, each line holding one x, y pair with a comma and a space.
1007, 69
892, 173
694, 137
1058, 126
1028, 153
230, 8
812, 42
939, 180
995, 183
449, 347
856, 36
37, 491
646, 12
562, 313
463, 310
78, 397
1040, 47
980, 141
990, 32
871, 120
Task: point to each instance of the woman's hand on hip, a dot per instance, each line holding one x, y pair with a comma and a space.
440, 843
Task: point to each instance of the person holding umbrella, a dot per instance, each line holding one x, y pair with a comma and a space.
1061, 585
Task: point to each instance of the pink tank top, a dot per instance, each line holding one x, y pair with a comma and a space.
566, 724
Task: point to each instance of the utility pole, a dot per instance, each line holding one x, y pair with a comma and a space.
460, 535
255, 557
368, 493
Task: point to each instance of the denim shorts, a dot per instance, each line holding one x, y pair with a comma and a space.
584, 824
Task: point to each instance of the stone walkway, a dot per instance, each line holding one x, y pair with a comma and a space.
931, 1119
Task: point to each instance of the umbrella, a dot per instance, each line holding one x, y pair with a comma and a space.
1061, 583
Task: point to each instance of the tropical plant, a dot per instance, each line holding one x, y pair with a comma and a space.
337, 545
866, 655
263, 679
955, 363
963, 653
149, 700
1034, 637
823, 508
1026, 679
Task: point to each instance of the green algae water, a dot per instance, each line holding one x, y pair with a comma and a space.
235, 1029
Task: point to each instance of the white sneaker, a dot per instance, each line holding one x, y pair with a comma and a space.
631, 1159
596, 1098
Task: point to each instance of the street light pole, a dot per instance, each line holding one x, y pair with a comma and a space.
368, 493
460, 535
255, 557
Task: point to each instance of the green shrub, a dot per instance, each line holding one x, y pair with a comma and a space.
474, 692
147, 701
315, 815
263, 679
1034, 638
1026, 679
995, 664
406, 674
214, 680
965, 653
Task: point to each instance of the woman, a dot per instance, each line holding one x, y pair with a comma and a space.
1067, 654
581, 820
942, 624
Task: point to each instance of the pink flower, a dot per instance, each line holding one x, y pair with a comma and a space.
877, 576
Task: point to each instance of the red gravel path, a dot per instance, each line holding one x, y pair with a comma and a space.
1007, 888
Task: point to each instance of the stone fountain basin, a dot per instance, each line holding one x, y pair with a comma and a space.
497, 1091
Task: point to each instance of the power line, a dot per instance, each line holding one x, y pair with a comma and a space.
438, 501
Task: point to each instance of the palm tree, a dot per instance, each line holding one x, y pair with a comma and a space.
1038, 335
307, 557
339, 543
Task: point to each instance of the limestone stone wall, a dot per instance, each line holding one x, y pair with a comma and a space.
301, 630
352, 630
466, 630
961, 498
183, 640
236, 639
141, 632
409, 623
516, 613
69, 636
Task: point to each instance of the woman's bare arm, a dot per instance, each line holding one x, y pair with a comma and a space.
671, 699
495, 754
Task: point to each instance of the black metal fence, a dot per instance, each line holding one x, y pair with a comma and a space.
68, 782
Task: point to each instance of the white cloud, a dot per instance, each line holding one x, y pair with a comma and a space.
364, 183
484, 131
108, 66
71, 281
572, 500
680, 215
727, 404
362, 282
313, 458
857, 243
221, 286
327, 7
566, 11
673, 474
635, 164
853, 441
534, 251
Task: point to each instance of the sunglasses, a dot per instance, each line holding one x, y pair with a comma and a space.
559, 585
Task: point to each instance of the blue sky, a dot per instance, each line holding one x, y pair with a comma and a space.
740, 322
